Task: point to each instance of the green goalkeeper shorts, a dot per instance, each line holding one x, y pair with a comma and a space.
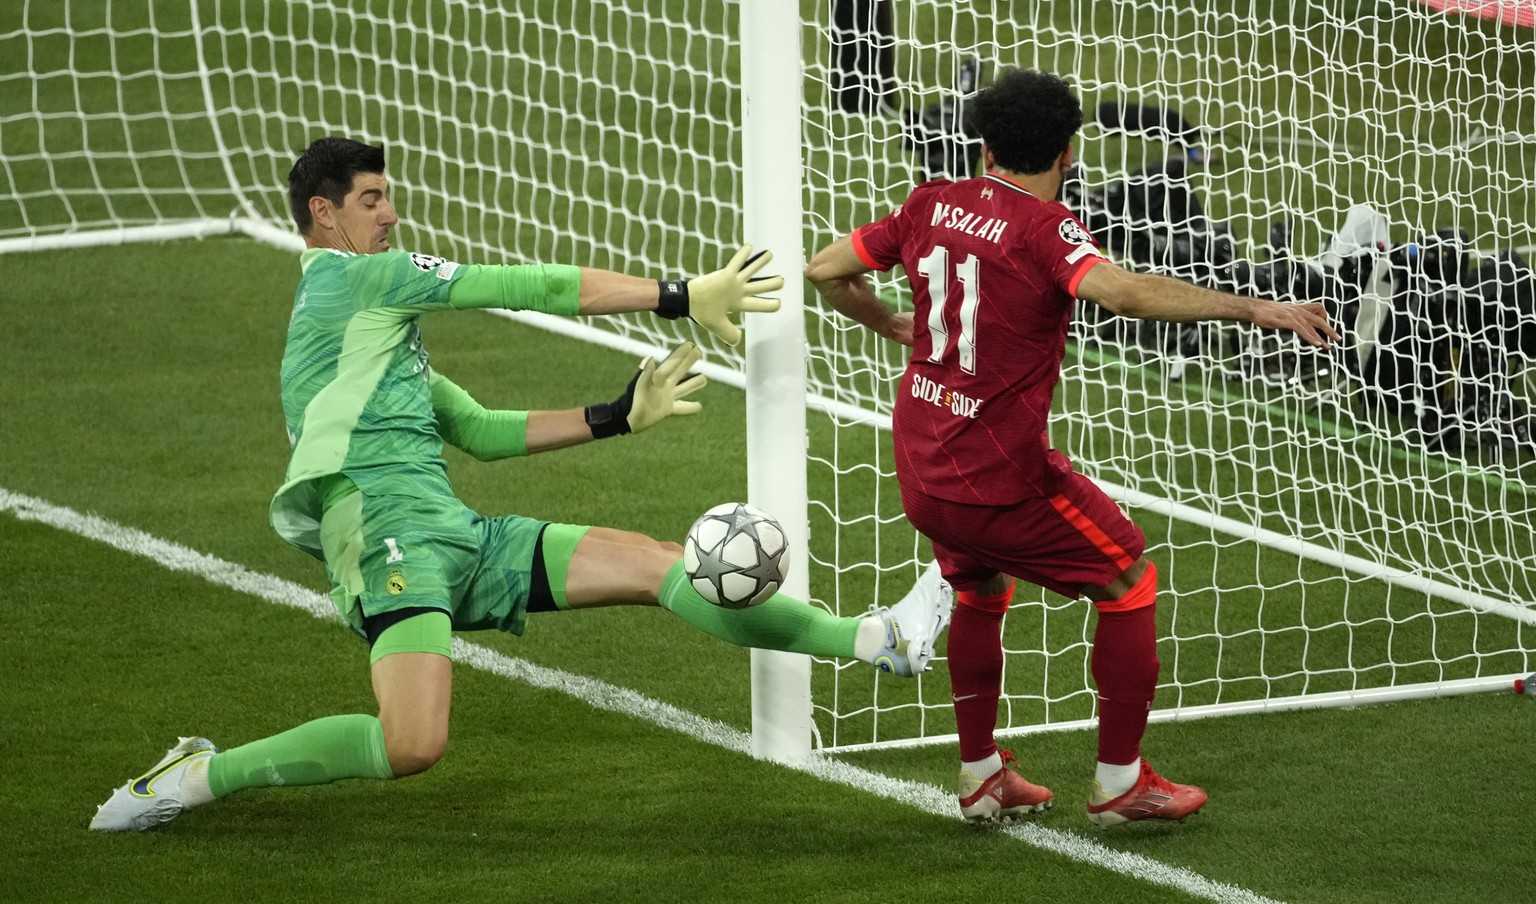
390, 553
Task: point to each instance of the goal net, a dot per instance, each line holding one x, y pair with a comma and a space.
1332, 528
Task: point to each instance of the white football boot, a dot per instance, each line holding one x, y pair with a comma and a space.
913, 625
153, 798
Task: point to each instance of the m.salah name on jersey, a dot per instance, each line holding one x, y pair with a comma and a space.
956, 218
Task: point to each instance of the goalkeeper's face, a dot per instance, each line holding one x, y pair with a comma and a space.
363, 220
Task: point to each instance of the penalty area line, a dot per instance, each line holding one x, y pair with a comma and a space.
602, 695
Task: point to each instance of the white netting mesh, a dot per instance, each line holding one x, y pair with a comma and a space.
588, 132
1321, 525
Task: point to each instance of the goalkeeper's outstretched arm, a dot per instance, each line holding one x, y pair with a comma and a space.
710, 300
654, 393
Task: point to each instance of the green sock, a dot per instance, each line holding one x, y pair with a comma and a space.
314, 753
778, 623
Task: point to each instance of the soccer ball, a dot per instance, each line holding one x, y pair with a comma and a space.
736, 555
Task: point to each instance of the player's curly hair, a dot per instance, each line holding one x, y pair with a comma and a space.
326, 168
1027, 118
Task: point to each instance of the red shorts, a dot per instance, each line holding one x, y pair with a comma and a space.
1074, 538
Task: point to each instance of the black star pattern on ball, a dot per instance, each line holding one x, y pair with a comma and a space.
741, 522
712, 567
767, 567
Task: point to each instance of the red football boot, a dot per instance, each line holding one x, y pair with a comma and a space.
1152, 797
1004, 795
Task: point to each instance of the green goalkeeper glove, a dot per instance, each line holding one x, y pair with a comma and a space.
711, 299
653, 394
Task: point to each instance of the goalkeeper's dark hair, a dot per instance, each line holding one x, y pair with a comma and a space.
326, 168
1027, 118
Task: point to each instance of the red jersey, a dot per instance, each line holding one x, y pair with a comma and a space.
994, 273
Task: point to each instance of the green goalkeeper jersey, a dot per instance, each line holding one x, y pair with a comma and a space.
356, 381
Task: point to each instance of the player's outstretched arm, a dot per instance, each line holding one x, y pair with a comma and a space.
1145, 296
654, 393
840, 277
711, 300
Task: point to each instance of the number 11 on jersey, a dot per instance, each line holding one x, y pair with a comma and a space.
935, 267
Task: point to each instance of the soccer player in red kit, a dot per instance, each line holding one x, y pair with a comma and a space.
996, 265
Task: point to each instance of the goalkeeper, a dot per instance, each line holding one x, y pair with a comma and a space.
367, 491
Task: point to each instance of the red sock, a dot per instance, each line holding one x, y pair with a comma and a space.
975, 654
1125, 669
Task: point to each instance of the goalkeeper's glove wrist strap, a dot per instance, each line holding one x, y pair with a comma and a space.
608, 419
674, 298
612, 418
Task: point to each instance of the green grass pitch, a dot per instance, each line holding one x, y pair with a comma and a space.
157, 408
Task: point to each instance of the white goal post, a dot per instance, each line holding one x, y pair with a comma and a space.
1332, 529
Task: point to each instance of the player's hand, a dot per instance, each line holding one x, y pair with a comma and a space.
1309, 321
659, 391
733, 289
901, 328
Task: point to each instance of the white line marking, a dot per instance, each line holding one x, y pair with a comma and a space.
602, 695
